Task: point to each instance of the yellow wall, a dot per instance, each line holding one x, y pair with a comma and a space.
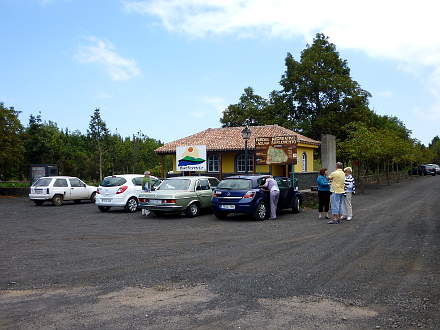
309, 152
228, 162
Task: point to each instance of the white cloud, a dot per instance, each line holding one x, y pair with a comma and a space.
398, 29
104, 53
404, 31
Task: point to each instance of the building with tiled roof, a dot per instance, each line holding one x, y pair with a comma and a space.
225, 150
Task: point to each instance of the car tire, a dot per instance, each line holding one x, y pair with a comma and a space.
220, 215
104, 208
192, 210
93, 197
57, 200
260, 212
38, 203
296, 208
132, 205
145, 212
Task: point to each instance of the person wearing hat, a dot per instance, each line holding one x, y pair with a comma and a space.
350, 190
147, 182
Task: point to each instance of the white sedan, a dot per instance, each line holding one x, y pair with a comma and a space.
121, 191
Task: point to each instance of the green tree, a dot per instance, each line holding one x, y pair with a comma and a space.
320, 92
250, 110
11, 144
98, 134
434, 146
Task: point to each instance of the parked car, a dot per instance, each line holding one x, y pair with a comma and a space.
58, 189
186, 194
242, 194
121, 191
428, 169
435, 167
424, 169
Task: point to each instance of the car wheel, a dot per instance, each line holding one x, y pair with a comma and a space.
77, 201
39, 203
93, 197
192, 210
132, 205
220, 215
57, 200
146, 212
104, 208
296, 205
260, 212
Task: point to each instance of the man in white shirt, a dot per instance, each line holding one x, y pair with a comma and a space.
274, 194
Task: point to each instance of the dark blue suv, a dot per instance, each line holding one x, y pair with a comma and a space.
242, 194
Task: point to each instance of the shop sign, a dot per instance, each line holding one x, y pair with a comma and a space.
276, 150
191, 158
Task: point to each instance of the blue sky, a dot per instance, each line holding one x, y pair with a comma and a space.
168, 68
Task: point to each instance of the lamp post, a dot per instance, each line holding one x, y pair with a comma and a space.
246, 134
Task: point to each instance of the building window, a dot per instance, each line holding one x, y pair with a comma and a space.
213, 163
304, 162
240, 163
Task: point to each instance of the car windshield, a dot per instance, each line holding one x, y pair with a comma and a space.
174, 184
42, 182
113, 181
235, 184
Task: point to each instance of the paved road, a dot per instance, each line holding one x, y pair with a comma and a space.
74, 267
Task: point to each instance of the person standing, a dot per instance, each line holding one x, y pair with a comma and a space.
147, 182
323, 194
337, 187
274, 194
350, 190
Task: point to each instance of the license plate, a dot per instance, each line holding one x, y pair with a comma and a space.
228, 207
155, 201
38, 191
106, 200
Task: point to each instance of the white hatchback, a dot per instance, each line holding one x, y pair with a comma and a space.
60, 188
121, 191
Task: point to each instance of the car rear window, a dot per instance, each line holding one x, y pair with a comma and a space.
42, 182
113, 181
235, 184
175, 184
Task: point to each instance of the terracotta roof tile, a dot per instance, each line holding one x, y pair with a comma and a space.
229, 138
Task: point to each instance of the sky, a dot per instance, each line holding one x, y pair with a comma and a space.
169, 68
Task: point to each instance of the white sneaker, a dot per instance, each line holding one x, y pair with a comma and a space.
349, 218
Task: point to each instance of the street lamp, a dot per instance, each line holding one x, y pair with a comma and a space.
246, 134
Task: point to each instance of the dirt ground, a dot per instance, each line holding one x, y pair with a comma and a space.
72, 267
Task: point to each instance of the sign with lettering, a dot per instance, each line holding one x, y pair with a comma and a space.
191, 158
276, 150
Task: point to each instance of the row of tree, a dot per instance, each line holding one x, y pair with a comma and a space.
318, 96
89, 156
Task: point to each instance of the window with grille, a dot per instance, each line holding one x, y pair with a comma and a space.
213, 163
304, 162
240, 163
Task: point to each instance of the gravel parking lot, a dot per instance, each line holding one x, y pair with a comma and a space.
73, 267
